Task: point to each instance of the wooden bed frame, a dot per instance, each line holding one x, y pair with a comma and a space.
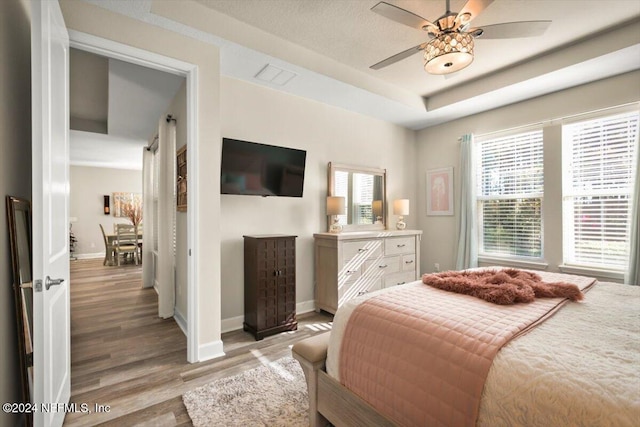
330, 401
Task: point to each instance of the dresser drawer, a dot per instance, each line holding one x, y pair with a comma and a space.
399, 279
399, 245
358, 288
350, 272
382, 266
408, 262
361, 249
350, 264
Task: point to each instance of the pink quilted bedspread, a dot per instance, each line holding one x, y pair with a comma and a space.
420, 356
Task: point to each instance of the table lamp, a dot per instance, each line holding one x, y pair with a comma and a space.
401, 207
335, 207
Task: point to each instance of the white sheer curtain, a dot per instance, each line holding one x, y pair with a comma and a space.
633, 272
467, 223
148, 217
165, 269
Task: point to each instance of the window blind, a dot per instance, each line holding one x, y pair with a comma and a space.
510, 191
599, 169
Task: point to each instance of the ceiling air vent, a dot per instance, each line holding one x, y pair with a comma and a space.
275, 75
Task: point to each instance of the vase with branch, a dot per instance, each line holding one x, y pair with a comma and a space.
133, 211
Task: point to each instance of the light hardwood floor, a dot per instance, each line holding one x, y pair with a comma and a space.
123, 356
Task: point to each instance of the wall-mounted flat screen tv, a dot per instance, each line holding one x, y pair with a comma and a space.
255, 169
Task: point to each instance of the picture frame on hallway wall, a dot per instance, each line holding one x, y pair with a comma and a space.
440, 191
120, 200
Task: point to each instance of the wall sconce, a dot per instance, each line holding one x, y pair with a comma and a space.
376, 208
401, 207
335, 207
107, 210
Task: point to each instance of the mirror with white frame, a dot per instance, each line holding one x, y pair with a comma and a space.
364, 190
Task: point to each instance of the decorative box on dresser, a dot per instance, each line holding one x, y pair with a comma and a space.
353, 263
269, 284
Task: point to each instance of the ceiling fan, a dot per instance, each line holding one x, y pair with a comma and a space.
451, 37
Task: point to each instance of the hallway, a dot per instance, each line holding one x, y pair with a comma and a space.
125, 357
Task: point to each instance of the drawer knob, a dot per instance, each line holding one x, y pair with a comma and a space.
409, 262
400, 283
350, 271
363, 249
383, 266
401, 246
361, 293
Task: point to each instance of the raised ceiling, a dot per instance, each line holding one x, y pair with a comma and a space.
349, 32
330, 44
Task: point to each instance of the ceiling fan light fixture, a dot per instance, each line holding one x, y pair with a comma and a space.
448, 53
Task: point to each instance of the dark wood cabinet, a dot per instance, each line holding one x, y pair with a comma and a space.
269, 284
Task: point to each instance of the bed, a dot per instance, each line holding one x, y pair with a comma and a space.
578, 363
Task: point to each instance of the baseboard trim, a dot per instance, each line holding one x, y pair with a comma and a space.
235, 323
232, 324
305, 307
89, 256
179, 318
210, 351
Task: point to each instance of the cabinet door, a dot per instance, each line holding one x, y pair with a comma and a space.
267, 283
286, 278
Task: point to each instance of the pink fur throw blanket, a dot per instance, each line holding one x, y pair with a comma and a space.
503, 287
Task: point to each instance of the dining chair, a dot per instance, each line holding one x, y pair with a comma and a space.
108, 248
126, 242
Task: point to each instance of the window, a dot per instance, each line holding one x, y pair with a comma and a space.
362, 188
363, 198
599, 169
510, 189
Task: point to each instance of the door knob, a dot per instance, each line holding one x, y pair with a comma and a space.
49, 282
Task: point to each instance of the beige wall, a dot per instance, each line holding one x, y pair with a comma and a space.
88, 185
15, 174
93, 20
438, 147
328, 134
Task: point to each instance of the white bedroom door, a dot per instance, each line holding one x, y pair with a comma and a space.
50, 196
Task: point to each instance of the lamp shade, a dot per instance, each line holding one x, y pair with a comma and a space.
376, 207
401, 207
335, 205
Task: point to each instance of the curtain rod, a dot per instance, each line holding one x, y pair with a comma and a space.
154, 144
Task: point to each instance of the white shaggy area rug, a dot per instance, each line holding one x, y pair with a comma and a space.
270, 395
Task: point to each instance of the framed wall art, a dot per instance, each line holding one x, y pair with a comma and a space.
120, 200
440, 191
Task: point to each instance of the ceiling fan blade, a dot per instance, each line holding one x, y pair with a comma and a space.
510, 30
398, 56
402, 16
471, 10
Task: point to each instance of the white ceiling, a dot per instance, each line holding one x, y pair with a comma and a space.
349, 32
330, 44
138, 96
134, 99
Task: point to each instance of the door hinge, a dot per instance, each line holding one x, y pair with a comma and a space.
38, 286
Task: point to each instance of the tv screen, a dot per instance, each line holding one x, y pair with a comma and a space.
255, 169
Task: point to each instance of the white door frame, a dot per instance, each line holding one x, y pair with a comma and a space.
113, 49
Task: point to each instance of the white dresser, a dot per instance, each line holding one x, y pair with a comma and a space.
350, 264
